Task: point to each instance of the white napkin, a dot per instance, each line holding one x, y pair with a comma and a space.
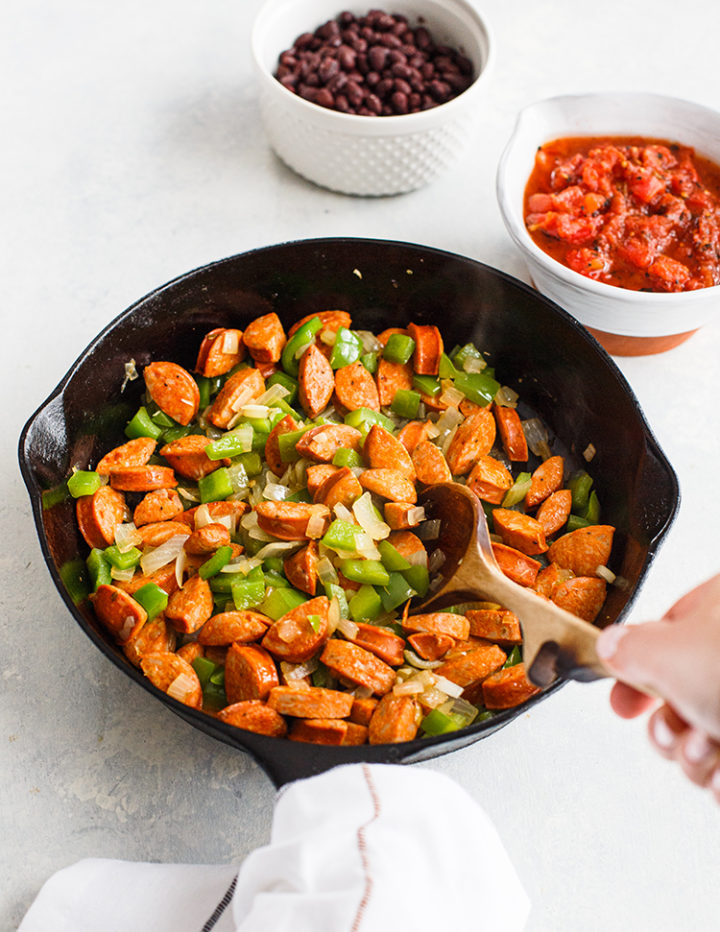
362, 848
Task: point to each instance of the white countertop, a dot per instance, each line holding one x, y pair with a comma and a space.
132, 152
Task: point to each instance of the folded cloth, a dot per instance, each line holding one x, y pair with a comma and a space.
362, 848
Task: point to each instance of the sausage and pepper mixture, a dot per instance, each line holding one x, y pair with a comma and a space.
256, 543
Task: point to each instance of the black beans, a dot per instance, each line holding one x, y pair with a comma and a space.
373, 65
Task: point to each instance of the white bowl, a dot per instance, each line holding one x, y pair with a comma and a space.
626, 322
360, 154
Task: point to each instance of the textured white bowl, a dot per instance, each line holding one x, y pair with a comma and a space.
359, 154
607, 309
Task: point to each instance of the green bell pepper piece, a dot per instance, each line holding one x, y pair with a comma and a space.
288, 382
371, 572
478, 387
347, 348
427, 384
281, 601
122, 560
98, 569
397, 591
211, 567
399, 348
141, 425
84, 482
405, 403
303, 335
365, 605
391, 558
152, 598
216, 486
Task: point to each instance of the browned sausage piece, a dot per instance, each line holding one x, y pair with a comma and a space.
341, 487
315, 475
400, 516
119, 612
99, 514
159, 531
406, 543
207, 539
173, 390
316, 381
190, 607
155, 637
546, 479
472, 668
517, 566
220, 351
142, 478
355, 388
395, 719
310, 702
331, 320
272, 447
359, 666
519, 531
507, 688
428, 348
554, 511
160, 505
265, 338
511, 433
250, 673
164, 578
286, 520
495, 624
473, 438
490, 480
430, 646
173, 675
390, 484
548, 578
382, 642
390, 378
330, 731
300, 633
362, 710
322, 443
583, 550
187, 457
228, 627
383, 451
583, 596
135, 452
191, 651
355, 734
456, 626
216, 510
301, 568
430, 464
413, 433
253, 715
242, 388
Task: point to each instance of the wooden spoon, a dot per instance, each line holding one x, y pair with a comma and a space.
554, 641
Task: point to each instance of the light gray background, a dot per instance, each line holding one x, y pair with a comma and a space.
131, 152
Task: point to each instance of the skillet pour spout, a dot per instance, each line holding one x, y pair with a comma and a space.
559, 369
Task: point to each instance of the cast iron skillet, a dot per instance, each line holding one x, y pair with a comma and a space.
560, 371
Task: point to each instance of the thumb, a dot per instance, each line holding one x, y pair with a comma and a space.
646, 656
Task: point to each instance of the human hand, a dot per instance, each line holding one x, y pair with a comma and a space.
679, 659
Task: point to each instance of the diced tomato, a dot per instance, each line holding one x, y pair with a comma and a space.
659, 157
644, 184
588, 262
637, 252
671, 274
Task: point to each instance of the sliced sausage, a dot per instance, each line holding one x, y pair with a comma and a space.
341, 487
391, 377
272, 448
242, 388
546, 479
413, 433
517, 566
164, 578
430, 464
583, 550
507, 688
473, 438
216, 510
207, 539
548, 578
310, 702
155, 534
253, 715
250, 673
155, 637
583, 596
135, 452
173, 390
390, 484
191, 651
329, 731
188, 458
331, 320
301, 568
317, 474
383, 451
190, 607
322, 443
456, 626
300, 633
265, 338
316, 381
395, 719
286, 520
229, 627
358, 666
156, 506
355, 388
472, 668
382, 642
99, 514
430, 646
407, 544
400, 516
519, 531
169, 672
220, 351
428, 348
118, 612
362, 710
554, 512
142, 478
490, 480
511, 433
495, 624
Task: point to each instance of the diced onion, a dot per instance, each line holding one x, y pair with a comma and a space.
344, 513
415, 661
202, 516
429, 530
288, 628
432, 698
506, 397
182, 687
326, 572
415, 515
450, 418
242, 565
410, 687
180, 563
328, 337
316, 522
246, 396
604, 573
188, 494
275, 492
230, 342
276, 549
537, 437
274, 393
347, 628
418, 558
365, 546
364, 512
460, 708
298, 671
448, 687
127, 536
473, 364
432, 430
369, 341
452, 397
152, 560
122, 575
361, 692
301, 349
589, 452
131, 374
437, 558
333, 618
255, 410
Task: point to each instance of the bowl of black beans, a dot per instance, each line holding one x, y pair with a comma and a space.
369, 102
